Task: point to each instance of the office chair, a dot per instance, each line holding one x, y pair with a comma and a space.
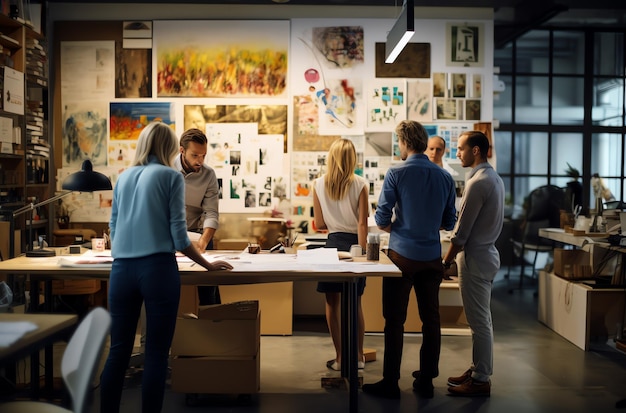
542, 210
78, 366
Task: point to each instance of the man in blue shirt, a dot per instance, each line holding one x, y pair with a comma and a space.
421, 196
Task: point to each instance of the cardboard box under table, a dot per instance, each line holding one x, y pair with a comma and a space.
219, 352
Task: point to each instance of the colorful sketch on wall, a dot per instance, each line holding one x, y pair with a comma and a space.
386, 104
84, 133
305, 121
339, 102
129, 118
133, 72
339, 47
247, 164
450, 133
270, 119
219, 59
419, 100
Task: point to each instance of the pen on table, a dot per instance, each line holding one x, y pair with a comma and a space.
192, 264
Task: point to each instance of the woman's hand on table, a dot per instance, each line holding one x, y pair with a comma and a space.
219, 266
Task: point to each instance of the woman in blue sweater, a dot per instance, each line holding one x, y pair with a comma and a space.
147, 226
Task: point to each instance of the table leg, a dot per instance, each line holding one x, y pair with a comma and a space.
349, 346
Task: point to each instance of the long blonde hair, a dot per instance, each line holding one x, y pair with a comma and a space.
341, 162
159, 140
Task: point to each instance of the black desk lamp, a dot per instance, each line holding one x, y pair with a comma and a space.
85, 180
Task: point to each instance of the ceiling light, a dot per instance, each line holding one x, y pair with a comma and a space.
401, 32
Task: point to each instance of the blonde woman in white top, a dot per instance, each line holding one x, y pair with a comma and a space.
340, 205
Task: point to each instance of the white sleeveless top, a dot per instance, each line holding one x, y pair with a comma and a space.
341, 215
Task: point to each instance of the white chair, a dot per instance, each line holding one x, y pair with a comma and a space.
78, 366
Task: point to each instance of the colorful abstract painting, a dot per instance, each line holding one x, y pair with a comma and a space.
128, 119
221, 59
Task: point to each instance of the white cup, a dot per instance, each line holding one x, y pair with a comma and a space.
97, 244
356, 250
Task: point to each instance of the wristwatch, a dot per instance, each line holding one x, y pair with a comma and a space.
446, 265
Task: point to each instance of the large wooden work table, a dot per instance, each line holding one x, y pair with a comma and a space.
248, 269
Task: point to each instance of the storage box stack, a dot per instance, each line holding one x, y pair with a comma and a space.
572, 264
219, 352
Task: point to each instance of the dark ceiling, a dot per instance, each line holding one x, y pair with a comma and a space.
511, 17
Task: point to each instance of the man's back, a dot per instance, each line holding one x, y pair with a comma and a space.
422, 196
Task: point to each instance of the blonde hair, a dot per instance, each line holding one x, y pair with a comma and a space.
158, 140
341, 163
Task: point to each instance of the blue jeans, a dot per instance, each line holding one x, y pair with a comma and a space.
154, 280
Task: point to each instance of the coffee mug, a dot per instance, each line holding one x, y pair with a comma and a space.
97, 244
356, 250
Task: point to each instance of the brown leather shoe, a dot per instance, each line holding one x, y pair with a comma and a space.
458, 380
471, 388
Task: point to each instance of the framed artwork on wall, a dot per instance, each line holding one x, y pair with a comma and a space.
465, 44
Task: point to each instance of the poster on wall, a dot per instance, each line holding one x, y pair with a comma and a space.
412, 62
419, 100
87, 71
13, 90
306, 135
84, 133
247, 165
386, 104
338, 106
220, 59
465, 44
339, 46
270, 119
450, 133
133, 72
129, 118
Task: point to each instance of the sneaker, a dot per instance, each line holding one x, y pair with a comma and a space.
471, 388
383, 389
423, 386
457, 381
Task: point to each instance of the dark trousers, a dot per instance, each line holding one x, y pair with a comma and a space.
424, 277
155, 281
209, 294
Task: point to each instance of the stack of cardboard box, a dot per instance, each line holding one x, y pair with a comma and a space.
219, 351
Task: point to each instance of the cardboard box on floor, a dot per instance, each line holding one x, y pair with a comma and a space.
216, 375
219, 352
224, 330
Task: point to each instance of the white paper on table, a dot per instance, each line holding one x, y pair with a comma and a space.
318, 255
11, 331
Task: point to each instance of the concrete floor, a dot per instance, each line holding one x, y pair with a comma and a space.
535, 370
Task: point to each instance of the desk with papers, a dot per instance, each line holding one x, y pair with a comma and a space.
31, 333
312, 265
